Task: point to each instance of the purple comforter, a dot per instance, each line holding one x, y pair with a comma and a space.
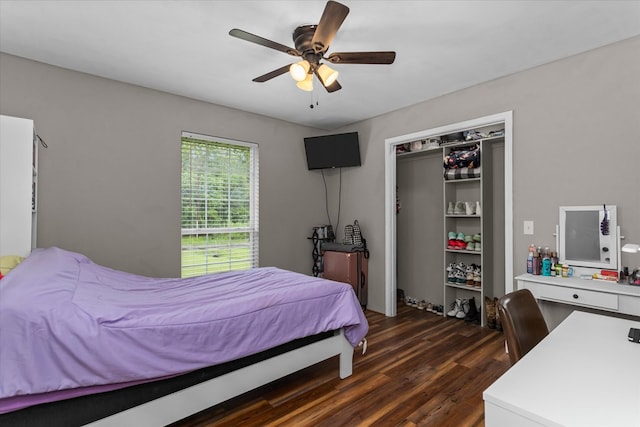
67, 323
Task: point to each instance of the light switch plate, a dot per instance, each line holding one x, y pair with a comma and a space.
528, 227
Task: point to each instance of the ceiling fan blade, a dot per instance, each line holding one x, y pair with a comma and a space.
331, 20
333, 87
362, 57
241, 34
275, 73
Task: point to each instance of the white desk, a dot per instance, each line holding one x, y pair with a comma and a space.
584, 373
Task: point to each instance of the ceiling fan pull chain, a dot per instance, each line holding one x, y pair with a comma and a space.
311, 105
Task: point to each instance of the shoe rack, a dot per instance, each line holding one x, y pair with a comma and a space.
468, 215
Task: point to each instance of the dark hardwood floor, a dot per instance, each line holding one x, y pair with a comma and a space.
420, 369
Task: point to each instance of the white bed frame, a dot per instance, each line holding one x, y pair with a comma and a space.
181, 404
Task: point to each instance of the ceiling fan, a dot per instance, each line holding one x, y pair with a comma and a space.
311, 44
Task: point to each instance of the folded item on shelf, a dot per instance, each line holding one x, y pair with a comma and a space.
462, 173
463, 158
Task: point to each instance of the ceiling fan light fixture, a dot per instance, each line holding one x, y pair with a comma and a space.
300, 70
327, 75
307, 83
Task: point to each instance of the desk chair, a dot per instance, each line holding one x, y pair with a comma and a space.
522, 321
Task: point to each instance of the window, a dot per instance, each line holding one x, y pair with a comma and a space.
219, 205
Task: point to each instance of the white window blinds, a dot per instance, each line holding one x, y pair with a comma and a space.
219, 205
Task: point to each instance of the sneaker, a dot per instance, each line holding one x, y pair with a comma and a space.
477, 278
478, 247
429, 307
460, 236
450, 209
469, 275
456, 307
452, 244
478, 209
461, 266
476, 237
451, 277
459, 209
439, 310
470, 208
465, 309
461, 277
422, 304
452, 235
471, 246
451, 267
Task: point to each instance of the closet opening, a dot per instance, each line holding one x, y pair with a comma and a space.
411, 171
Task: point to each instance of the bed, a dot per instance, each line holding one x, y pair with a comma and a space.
76, 335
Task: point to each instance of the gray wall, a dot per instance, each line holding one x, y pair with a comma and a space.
576, 125
110, 179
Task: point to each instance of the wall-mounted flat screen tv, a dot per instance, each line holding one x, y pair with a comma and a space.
332, 151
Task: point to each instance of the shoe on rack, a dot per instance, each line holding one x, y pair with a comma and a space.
450, 208
468, 238
476, 237
452, 244
465, 309
478, 247
470, 208
461, 277
471, 246
478, 209
452, 235
451, 277
472, 313
456, 307
451, 267
459, 209
469, 274
477, 278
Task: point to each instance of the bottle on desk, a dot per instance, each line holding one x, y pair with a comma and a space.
537, 263
546, 263
554, 262
530, 259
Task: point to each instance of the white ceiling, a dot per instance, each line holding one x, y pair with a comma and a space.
183, 47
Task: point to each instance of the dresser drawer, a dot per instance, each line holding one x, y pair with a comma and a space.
574, 296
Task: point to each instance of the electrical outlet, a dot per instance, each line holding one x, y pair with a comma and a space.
528, 227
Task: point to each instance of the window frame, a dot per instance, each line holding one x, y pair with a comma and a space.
252, 229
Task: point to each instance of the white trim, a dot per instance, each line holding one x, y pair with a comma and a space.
210, 138
181, 404
390, 196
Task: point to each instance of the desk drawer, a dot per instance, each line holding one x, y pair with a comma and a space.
574, 296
